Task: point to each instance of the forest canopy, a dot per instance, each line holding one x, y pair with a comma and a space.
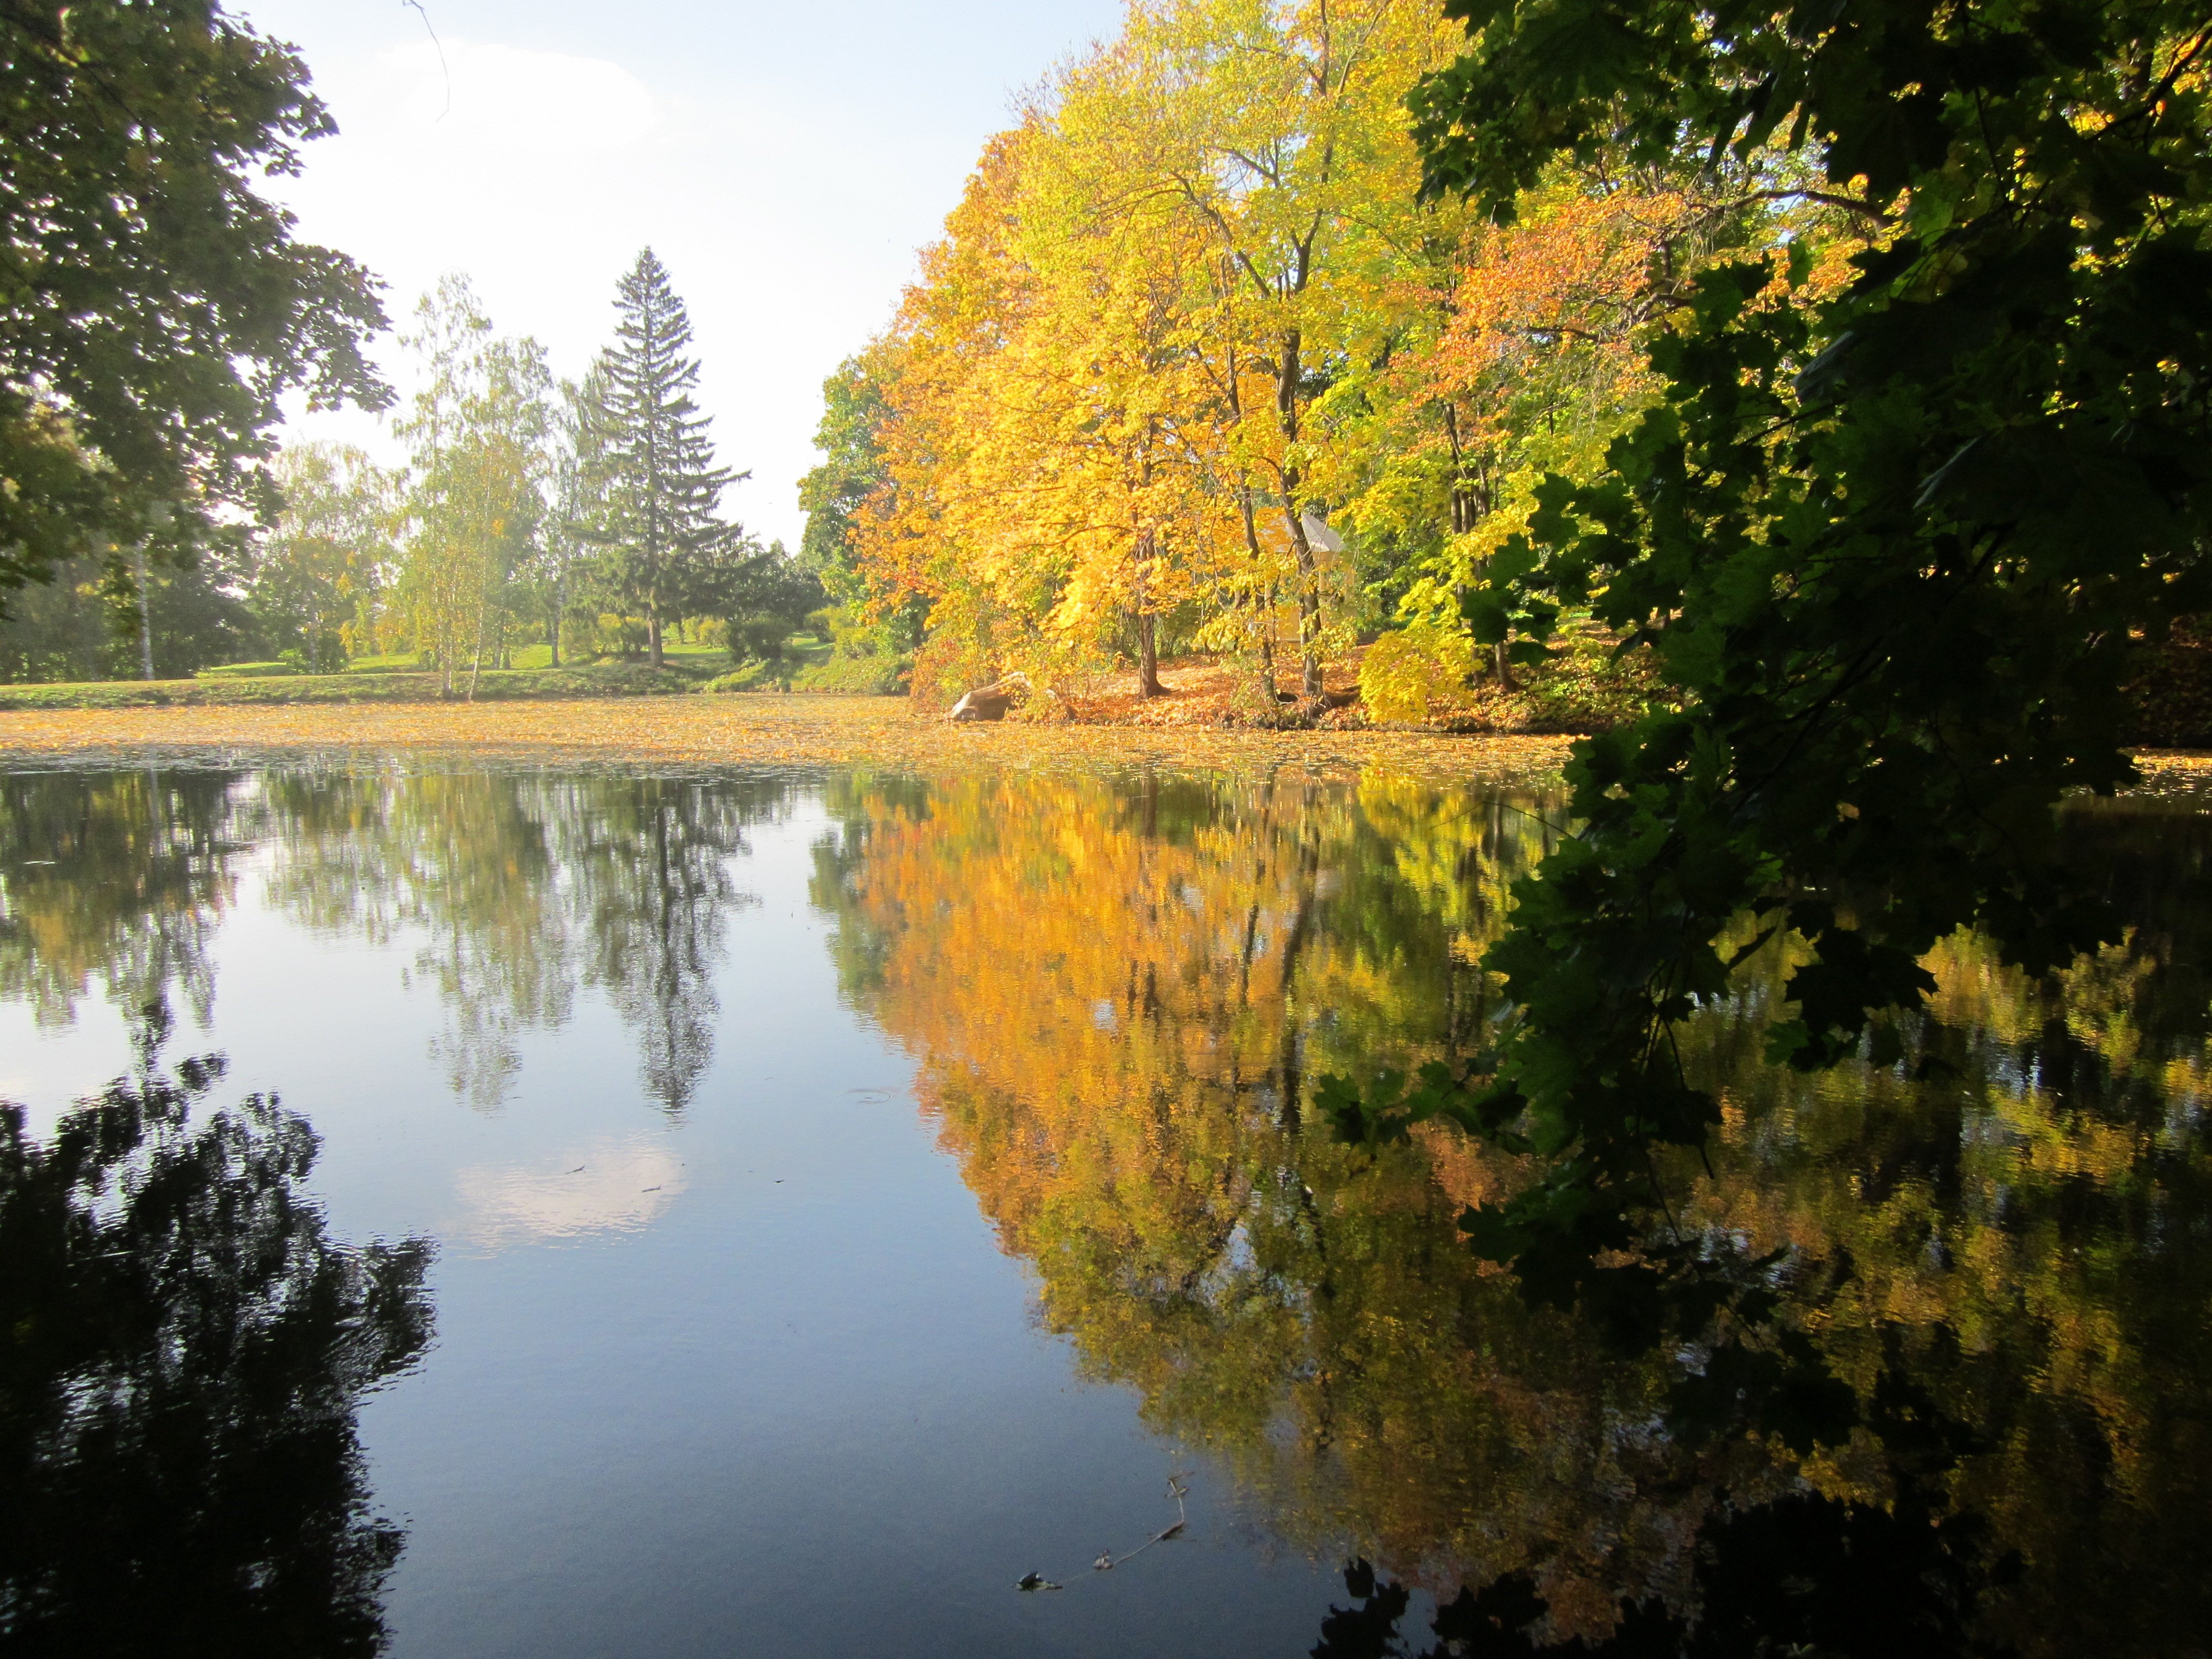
1196, 366
155, 309
527, 515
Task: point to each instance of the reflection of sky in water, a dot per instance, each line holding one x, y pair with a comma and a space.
847, 1203
614, 1186
752, 1376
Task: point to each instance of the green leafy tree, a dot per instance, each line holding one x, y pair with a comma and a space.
557, 576
153, 308
479, 425
168, 617
855, 407
762, 597
1887, 554
318, 573
137, 616
662, 490
57, 629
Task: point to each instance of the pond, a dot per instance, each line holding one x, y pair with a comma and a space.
460, 1210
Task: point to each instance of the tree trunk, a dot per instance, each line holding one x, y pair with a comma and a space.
1288, 372
653, 635
1263, 600
476, 657
1470, 503
1308, 594
145, 622
1148, 653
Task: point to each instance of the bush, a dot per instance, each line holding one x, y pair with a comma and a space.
1408, 674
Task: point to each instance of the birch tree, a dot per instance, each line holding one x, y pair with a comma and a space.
478, 425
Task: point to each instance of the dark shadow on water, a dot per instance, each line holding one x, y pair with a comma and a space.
184, 1349
1949, 1498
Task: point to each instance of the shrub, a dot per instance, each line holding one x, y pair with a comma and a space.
1406, 672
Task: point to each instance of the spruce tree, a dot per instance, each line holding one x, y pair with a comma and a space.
661, 486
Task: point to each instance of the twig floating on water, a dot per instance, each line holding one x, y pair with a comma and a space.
1107, 1560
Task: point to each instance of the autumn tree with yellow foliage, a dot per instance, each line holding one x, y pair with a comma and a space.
1196, 367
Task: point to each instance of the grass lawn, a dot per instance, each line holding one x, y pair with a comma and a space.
359, 684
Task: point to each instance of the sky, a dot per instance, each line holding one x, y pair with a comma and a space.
786, 162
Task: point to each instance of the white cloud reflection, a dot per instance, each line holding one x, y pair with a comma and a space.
610, 1187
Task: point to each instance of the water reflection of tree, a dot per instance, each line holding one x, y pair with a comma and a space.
120, 877
465, 859
1116, 995
527, 886
651, 867
184, 1352
2025, 1236
521, 887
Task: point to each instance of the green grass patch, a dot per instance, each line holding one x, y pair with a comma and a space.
492, 685
876, 677
247, 670
753, 676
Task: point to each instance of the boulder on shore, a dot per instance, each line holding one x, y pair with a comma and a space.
985, 702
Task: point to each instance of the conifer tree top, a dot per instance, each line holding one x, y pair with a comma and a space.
657, 448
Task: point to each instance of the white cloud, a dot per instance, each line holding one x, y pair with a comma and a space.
508, 103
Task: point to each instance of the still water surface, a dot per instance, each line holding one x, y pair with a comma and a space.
525, 1213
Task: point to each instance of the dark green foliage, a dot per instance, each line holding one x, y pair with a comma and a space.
761, 597
855, 404
153, 308
83, 623
1804, 1575
185, 1350
58, 630
658, 488
1887, 555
